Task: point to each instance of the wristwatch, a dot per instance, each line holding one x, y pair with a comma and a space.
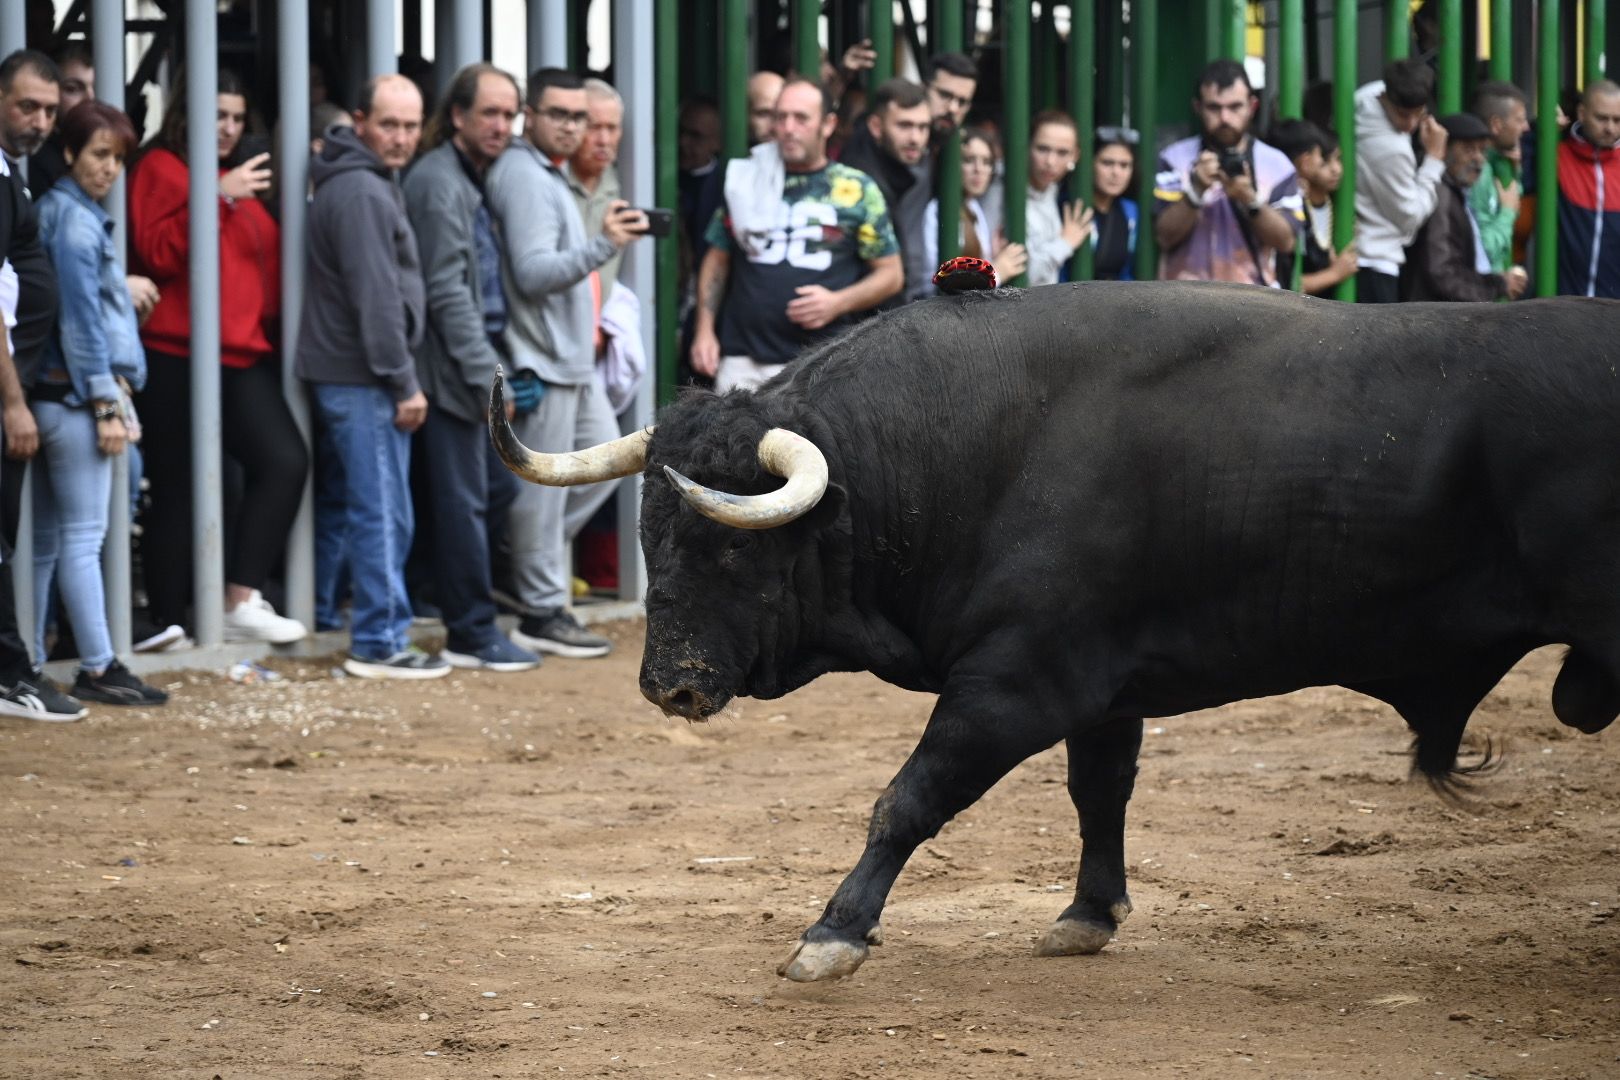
108, 411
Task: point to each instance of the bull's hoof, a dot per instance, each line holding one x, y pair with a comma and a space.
1074, 937
874, 936
814, 961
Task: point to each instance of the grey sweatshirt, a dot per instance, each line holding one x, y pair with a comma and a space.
551, 326
363, 296
1395, 193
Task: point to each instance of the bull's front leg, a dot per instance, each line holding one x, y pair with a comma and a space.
1102, 774
978, 732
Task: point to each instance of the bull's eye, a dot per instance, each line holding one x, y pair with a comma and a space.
740, 542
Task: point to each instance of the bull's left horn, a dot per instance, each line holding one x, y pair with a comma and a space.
608, 461
782, 453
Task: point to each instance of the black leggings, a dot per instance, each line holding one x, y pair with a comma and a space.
260, 439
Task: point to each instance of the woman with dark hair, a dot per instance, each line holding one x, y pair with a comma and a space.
91, 362
258, 429
980, 154
1052, 229
1114, 220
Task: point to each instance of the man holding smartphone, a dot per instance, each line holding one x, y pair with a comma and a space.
1225, 203
550, 333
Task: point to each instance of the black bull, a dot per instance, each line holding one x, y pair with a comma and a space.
1065, 509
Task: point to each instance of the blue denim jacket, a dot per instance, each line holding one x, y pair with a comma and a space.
97, 337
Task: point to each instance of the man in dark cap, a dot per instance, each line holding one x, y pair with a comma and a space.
1447, 259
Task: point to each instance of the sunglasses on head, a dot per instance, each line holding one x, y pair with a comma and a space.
1114, 134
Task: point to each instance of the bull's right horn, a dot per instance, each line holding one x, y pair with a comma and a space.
783, 453
623, 456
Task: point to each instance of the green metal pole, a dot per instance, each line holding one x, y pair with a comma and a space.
1015, 57
1597, 19
1502, 40
734, 99
881, 31
947, 37
1144, 117
1547, 150
1344, 118
1291, 60
1112, 105
666, 181
1237, 29
1215, 28
1083, 104
1448, 95
1397, 29
806, 38
1049, 50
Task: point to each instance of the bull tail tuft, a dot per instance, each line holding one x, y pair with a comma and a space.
1438, 765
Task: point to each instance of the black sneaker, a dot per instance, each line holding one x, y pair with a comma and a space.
116, 686
408, 663
561, 635
36, 697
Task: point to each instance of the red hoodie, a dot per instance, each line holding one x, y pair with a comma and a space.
160, 247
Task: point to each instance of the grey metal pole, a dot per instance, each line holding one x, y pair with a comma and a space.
548, 35
466, 34
380, 56
292, 35
13, 36
107, 36
208, 514
633, 59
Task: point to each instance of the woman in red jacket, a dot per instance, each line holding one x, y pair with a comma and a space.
259, 434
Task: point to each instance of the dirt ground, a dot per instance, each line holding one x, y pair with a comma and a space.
538, 874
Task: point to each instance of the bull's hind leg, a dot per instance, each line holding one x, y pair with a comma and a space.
1102, 775
978, 732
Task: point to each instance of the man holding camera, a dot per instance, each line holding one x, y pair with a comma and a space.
551, 329
1225, 203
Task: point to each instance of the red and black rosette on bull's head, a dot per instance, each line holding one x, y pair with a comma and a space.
964, 274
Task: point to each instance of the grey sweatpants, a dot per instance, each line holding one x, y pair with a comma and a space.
544, 519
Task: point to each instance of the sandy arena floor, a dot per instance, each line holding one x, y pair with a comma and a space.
537, 874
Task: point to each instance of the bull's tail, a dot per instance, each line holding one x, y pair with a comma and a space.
1434, 757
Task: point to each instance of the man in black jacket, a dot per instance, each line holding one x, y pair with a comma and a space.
890, 144
1447, 259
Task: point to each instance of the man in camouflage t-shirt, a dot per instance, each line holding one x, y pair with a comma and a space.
824, 253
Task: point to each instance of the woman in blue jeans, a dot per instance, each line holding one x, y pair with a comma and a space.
91, 362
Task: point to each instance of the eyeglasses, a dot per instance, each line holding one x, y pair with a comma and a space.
564, 118
1112, 133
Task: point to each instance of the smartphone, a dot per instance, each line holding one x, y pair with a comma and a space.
659, 222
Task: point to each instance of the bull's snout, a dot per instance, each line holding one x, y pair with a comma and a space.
685, 701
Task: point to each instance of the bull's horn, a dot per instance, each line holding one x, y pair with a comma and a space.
608, 461
782, 453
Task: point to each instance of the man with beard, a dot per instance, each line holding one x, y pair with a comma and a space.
1225, 202
895, 155
800, 245
1589, 196
1447, 260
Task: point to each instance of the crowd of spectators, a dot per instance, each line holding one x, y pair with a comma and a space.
491, 234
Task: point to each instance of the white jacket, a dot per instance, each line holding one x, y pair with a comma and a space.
1394, 194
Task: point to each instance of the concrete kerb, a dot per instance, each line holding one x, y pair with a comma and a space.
220, 658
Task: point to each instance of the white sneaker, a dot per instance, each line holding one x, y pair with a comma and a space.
255, 620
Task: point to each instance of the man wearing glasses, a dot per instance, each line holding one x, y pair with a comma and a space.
560, 406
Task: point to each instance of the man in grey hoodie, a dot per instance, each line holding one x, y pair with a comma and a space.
1395, 192
363, 313
551, 334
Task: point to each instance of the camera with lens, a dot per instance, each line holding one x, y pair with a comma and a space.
1232, 161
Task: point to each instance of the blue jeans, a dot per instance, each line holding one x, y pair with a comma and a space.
72, 489
372, 536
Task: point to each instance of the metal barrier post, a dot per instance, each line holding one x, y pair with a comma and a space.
1344, 118
634, 59
13, 36
1502, 40
292, 33
1597, 29
734, 98
466, 33
107, 26
1083, 105
666, 95
548, 35
380, 56
948, 183
1448, 97
807, 38
208, 512
1547, 149
1237, 29
1291, 60
1015, 72
881, 31
1144, 117
1397, 29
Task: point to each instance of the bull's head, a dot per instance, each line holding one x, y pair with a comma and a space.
719, 594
